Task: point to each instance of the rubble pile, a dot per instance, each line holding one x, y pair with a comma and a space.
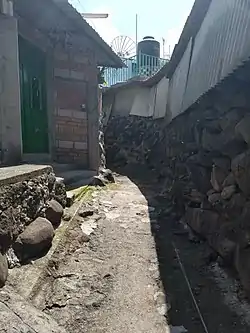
203, 161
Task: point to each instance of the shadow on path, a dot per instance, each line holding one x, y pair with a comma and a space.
210, 298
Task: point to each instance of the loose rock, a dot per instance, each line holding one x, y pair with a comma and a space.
228, 192
35, 239
54, 213
85, 212
241, 171
3, 270
218, 176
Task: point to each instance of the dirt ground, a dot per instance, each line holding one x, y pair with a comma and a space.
126, 277
111, 282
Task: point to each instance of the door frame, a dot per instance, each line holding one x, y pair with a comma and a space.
50, 104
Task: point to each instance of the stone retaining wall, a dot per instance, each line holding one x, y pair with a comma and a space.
203, 160
23, 201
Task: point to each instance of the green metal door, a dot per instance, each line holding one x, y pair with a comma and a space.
33, 99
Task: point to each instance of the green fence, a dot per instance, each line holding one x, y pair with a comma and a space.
140, 65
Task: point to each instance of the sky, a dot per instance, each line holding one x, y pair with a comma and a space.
162, 19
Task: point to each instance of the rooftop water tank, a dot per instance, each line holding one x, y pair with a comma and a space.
149, 46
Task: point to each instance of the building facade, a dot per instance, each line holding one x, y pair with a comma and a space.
49, 104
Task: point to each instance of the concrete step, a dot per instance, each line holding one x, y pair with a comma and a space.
59, 168
76, 177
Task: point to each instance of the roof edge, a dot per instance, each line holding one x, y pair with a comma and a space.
191, 28
75, 16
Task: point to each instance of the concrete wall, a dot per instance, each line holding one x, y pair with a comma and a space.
123, 101
161, 99
139, 101
10, 115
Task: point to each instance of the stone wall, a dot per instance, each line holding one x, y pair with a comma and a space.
22, 201
203, 161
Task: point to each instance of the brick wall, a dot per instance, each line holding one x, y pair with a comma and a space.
73, 72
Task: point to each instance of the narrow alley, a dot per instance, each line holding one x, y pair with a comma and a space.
120, 269
124, 167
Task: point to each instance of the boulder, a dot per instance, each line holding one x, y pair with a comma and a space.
218, 176
226, 249
85, 212
228, 192
108, 175
70, 198
229, 180
195, 196
242, 129
229, 120
3, 270
7, 228
241, 171
245, 216
60, 194
200, 176
202, 158
214, 198
242, 265
35, 239
54, 213
204, 222
211, 141
234, 207
223, 163
234, 147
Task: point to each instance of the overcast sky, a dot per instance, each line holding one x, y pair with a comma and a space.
160, 18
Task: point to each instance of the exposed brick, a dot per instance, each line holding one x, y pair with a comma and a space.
63, 73
81, 59
77, 75
66, 144
70, 94
79, 114
65, 113
59, 55
81, 145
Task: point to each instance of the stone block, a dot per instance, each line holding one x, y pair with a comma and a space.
229, 180
230, 119
242, 265
204, 222
200, 177
241, 171
242, 129
228, 192
214, 198
66, 144
234, 207
3, 270
54, 213
218, 176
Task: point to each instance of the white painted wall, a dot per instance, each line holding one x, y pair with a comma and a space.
140, 101
161, 98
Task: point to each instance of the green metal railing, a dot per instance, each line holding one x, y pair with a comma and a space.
140, 65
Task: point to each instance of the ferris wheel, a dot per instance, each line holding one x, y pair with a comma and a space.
124, 46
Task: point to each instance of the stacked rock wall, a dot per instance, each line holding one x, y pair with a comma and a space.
23, 203
203, 160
